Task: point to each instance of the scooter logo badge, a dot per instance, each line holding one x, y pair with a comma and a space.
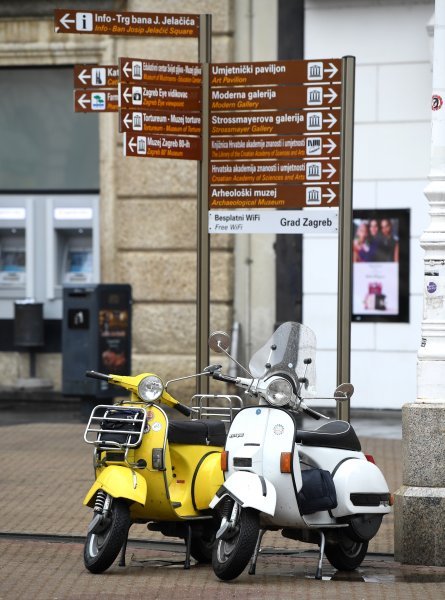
258, 411
278, 429
156, 426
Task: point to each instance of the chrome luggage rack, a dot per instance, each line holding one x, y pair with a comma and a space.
105, 420
202, 409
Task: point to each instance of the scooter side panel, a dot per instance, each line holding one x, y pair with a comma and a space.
358, 477
119, 482
197, 475
208, 479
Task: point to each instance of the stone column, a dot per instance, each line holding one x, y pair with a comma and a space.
420, 502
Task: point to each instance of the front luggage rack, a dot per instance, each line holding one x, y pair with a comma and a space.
202, 409
116, 427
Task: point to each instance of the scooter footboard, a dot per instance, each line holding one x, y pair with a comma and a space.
249, 490
361, 488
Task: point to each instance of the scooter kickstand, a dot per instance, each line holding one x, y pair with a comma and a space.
188, 545
319, 572
252, 569
124, 549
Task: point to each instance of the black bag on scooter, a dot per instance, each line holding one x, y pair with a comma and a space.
117, 428
317, 493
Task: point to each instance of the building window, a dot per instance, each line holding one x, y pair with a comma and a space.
44, 145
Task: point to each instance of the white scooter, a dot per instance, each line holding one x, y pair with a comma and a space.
316, 486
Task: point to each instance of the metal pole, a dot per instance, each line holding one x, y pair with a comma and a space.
344, 295
203, 238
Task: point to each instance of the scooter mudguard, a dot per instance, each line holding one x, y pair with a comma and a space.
249, 490
119, 482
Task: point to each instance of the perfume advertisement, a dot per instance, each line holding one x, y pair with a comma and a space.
380, 270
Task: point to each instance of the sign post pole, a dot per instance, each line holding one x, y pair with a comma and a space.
344, 295
203, 237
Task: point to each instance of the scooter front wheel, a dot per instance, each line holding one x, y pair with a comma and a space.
346, 554
103, 546
231, 553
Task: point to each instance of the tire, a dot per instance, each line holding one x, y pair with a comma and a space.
201, 547
232, 555
101, 549
346, 554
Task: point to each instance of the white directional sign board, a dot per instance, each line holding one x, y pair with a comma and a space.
274, 221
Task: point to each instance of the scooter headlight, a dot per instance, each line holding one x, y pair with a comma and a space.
279, 392
150, 388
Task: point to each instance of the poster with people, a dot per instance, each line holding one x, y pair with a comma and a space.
380, 254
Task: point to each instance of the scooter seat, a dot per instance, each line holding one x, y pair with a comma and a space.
208, 432
335, 434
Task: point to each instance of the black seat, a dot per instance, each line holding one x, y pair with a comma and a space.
208, 432
335, 434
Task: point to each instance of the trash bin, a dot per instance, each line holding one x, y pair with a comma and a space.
28, 324
96, 335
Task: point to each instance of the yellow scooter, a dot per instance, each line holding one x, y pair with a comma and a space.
151, 470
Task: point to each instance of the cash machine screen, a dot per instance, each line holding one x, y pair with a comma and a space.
78, 266
12, 265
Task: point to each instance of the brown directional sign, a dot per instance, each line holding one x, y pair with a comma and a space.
276, 97
90, 76
273, 196
160, 97
142, 71
99, 100
278, 72
126, 23
160, 122
283, 122
160, 146
279, 146
266, 171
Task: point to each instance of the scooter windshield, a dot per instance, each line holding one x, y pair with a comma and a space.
285, 352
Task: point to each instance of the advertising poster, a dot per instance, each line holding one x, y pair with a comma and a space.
380, 271
114, 332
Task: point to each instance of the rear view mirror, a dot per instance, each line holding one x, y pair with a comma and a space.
219, 341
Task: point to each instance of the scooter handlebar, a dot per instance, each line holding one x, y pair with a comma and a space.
311, 413
226, 378
183, 409
97, 375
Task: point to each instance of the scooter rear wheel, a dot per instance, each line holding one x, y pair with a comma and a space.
231, 555
346, 554
102, 548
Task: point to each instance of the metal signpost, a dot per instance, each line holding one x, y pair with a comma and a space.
286, 144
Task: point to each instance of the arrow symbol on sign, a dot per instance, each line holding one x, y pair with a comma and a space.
330, 195
333, 70
331, 120
127, 120
64, 20
83, 76
84, 100
132, 144
331, 145
126, 68
331, 170
332, 95
127, 94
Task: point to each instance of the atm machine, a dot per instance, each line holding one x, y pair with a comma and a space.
73, 246
46, 242
16, 258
